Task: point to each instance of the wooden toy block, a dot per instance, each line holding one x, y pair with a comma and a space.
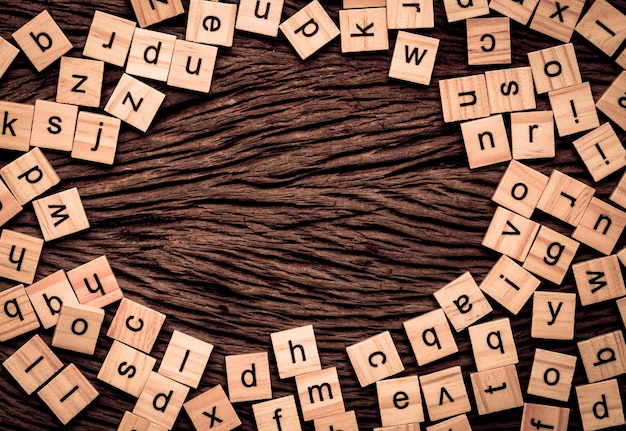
80, 82
557, 19
551, 255
621, 307
613, 101
78, 328
621, 255
345, 421
53, 125
319, 393
509, 284
256, 17
600, 405
150, 54
161, 400
295, 351
48, 296
551, 375
126, 369
185, 359
618, 195
460, 10
309, 29
375, 358
520, 188
360, 4
132, 422
604, 26
403, 427
488, 41
445, 394
430, 337
211, 22
532, 135
409, 15
17, 121
7, 54
520, 12
464, 98
565, 198
463, 302
134, 102
493, 345
400, 401
9, 206
192, 66
248, 377
486, 142
277, 414
554, 68
33, 364
363, 30
496, 390
61, 214
149, 12
602, 152
599, 280
136, 325
96, 138
42, 41
574, 109
601, 226
603, 356
19, 256
510, 90
109, 38
94, 283
18, 315
457, 423
621, 59
537, 416
554, 315
68, 393
212, 410
510, 234
29, 175
414, 58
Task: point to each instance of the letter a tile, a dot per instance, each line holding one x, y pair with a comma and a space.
463, 302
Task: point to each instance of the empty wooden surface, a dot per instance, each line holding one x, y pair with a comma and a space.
297, 192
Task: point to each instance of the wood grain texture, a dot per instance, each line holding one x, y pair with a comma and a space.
297, 192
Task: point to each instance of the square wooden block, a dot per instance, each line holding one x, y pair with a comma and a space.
29, 175
600, 405
9, 206
557, 19
185, 359
277, 414
96, 138
509, 284
601, 226
78, 328
464, 98
510, 234
260, 18
33, 364
212, 410
565, 198
126, 369
445, 394
496, 390
459, 10
463, 302
109, 38
488, 40
400, 401
295, 351
7, 54
554, 315
161, 400
42, 41
493, 345
132, 422
621, 255
363, 30
319, 393
613, 101
621, 307
601, 151
53, 125
248, 377
520, 188
19, 256
48, 296
414, 58
359, 4
574, 109
551, 255
402, 15
192, 66
94, 283
604, 26
136, 325
457, 423
68, 393
621, 59
537, 416
150, 54
404, 427
486, 142
510, 90
520, 12
532, 135
211, 22
603, 356
61, 214
18, 316
80, 81
599, 280
554, 68
551, 375
430, 337
134, 102
375, 358
17, 123
149, 12
345, 421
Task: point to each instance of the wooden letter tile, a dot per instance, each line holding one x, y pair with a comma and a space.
18, 316
551, 255
248, 377
295, 351
17, 122
554, 68
192, 66
445, 393
161, 400
488, 41
96, 138
459, 10
375, 358
132, 422
430, 337
136, 325
7, 54
319, 393
29, 175
557, 19
212, 410
78, 328
621, 59
414, 58
404, 427
150, 12
600, 405
510, 234
552, 375
80, 82
409, 15
363, 30
565, 198
520, 189
517, 11
497, 390
277, 414
486, 142
9, 206
602, 152
109, 38
493, 345
603, 356
538, 416
126, 369
599, 280
33, 364
211, 22
42, 41
94, 283
463, 302
532, 135
464, 98
574, 109
457, 423
345, 421
554, 315
613, 101
150, 54
400, 401
19, 256
604, 26
360, 4
185, 359
260, 17
601, 226
61, 214
510, 90
53, 125
48, 296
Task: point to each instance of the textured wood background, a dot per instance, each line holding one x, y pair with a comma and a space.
297, 192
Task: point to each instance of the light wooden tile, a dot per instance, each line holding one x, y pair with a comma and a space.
248, 377
17, 122
402, 15
496, 390
464, 98
132, 422
109, 38
621, 255
618, 195
149, 12
19, 256
136, 325
599, 280
510, 234
462, 301
78, 328
259, 17
603, 356
457, 423
375, 358
61, 214
319, 393
601, 151
488, 41
600, 405
621, 59
551, 375
554, 315
277, 414
604, 26
185, 359
445, 394
574, 109
345, 421
363, 30
532, 135
54, 125
9, 206
126, 369
295, 351
7, 55
212, 410
192, 66
430, 337
551, 255
96, 138
493, 345
459, 10
18, 316
211, 22
613, 101
557, 19
150, 54
400, 401
621, 307
537, 416
404, 427
601, 226
520, 188
517, 11
48, 296
161, 400
554, 68
29, 175
565, 198
80, 81
95, 284
486, 142
510, 90
414, 58
359, 4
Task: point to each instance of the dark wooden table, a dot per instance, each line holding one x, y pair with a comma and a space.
297, 192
